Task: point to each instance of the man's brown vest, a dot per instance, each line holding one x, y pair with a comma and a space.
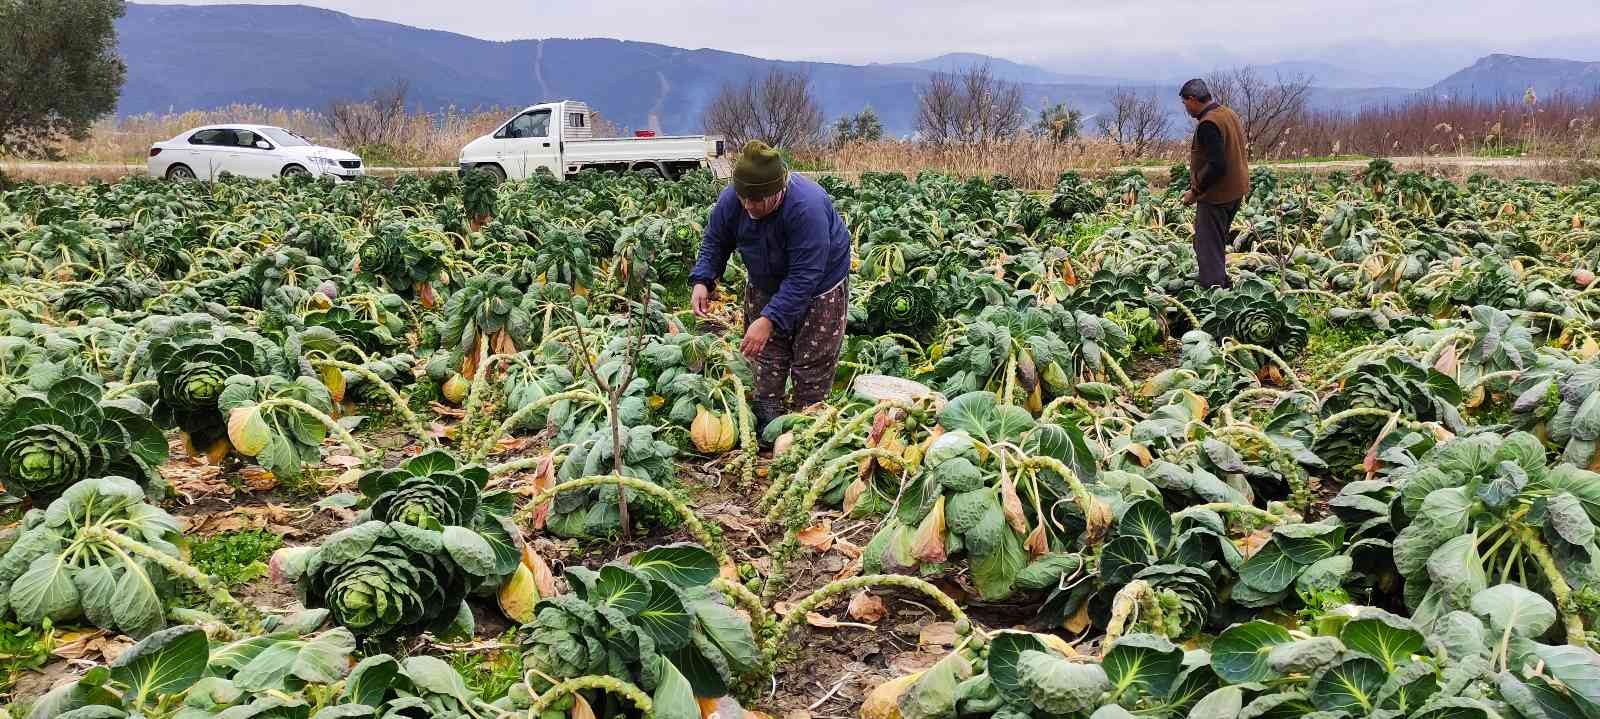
1236, 183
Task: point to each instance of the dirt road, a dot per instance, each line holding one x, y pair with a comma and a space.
81, 171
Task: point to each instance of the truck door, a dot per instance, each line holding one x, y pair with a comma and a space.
530, 144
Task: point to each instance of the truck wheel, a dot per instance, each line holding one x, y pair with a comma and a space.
495, 170
650, 172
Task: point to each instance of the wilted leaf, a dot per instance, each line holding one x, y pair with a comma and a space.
938, 634
817, 536
248, 430
927, 545
866, 607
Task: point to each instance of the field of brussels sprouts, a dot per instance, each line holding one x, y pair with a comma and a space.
433, 447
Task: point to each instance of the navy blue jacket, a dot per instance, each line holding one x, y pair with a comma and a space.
796, 253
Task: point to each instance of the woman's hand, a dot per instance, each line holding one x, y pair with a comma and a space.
755, 338
700, 300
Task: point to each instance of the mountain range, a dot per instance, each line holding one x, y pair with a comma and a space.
183, 57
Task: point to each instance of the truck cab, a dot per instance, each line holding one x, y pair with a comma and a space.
557, 138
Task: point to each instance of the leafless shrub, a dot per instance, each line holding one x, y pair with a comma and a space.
1134, 122
779, 109
375, 121
969, 106
1267, 107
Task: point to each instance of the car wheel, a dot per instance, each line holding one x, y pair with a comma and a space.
495, 170
180, 173
294, 171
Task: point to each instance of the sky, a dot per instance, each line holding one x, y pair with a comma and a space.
1099, 36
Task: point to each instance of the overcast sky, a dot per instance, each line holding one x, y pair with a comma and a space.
1057, 33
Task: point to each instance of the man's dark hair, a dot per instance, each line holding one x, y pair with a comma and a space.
1195, 90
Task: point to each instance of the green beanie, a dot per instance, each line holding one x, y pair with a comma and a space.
760, 171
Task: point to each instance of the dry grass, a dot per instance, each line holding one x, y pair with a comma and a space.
1030, 162
422, 138
1562, 131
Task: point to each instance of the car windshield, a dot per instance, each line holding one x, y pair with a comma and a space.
284, 138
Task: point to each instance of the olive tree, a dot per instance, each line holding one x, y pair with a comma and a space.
59, 71
863, 126
1058, 123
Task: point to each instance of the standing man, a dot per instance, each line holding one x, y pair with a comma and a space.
1219, 178
796, 253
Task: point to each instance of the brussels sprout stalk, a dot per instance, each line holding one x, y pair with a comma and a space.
173, 565
840, 587
613, 685
406, 415
343, 434
691, 521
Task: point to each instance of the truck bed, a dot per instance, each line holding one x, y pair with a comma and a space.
637, 149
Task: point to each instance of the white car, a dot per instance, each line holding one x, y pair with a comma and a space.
248, 151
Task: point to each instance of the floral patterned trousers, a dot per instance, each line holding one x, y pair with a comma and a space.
809, 355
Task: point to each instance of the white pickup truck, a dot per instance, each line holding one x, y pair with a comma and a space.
556, 137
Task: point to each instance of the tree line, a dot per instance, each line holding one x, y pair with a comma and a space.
975, 106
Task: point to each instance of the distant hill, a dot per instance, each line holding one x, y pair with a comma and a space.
1005, 70
183, 57
1511, 75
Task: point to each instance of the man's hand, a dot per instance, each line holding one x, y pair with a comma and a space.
700, 300
755, 338
1188, 197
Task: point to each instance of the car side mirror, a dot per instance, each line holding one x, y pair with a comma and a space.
263, 144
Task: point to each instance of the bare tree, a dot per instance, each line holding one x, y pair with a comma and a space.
779, 109
378, 120
1134, 123
1267, 107
971, 105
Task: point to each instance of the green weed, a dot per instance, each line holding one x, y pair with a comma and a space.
1321, 601
21, 648
491, 673
1327, 342
235, 558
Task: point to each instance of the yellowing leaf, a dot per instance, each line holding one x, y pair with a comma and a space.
333, 379
543, 579
248, 430
883, 702
1079, 620
928, 543
518, 595
853, 493
581, 708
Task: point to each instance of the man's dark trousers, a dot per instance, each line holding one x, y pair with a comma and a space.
1211, 223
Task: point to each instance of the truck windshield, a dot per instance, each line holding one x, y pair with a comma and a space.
284, 138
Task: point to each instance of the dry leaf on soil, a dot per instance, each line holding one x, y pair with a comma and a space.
866, 607
342, 460
821, 621
817, 536
938, 634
